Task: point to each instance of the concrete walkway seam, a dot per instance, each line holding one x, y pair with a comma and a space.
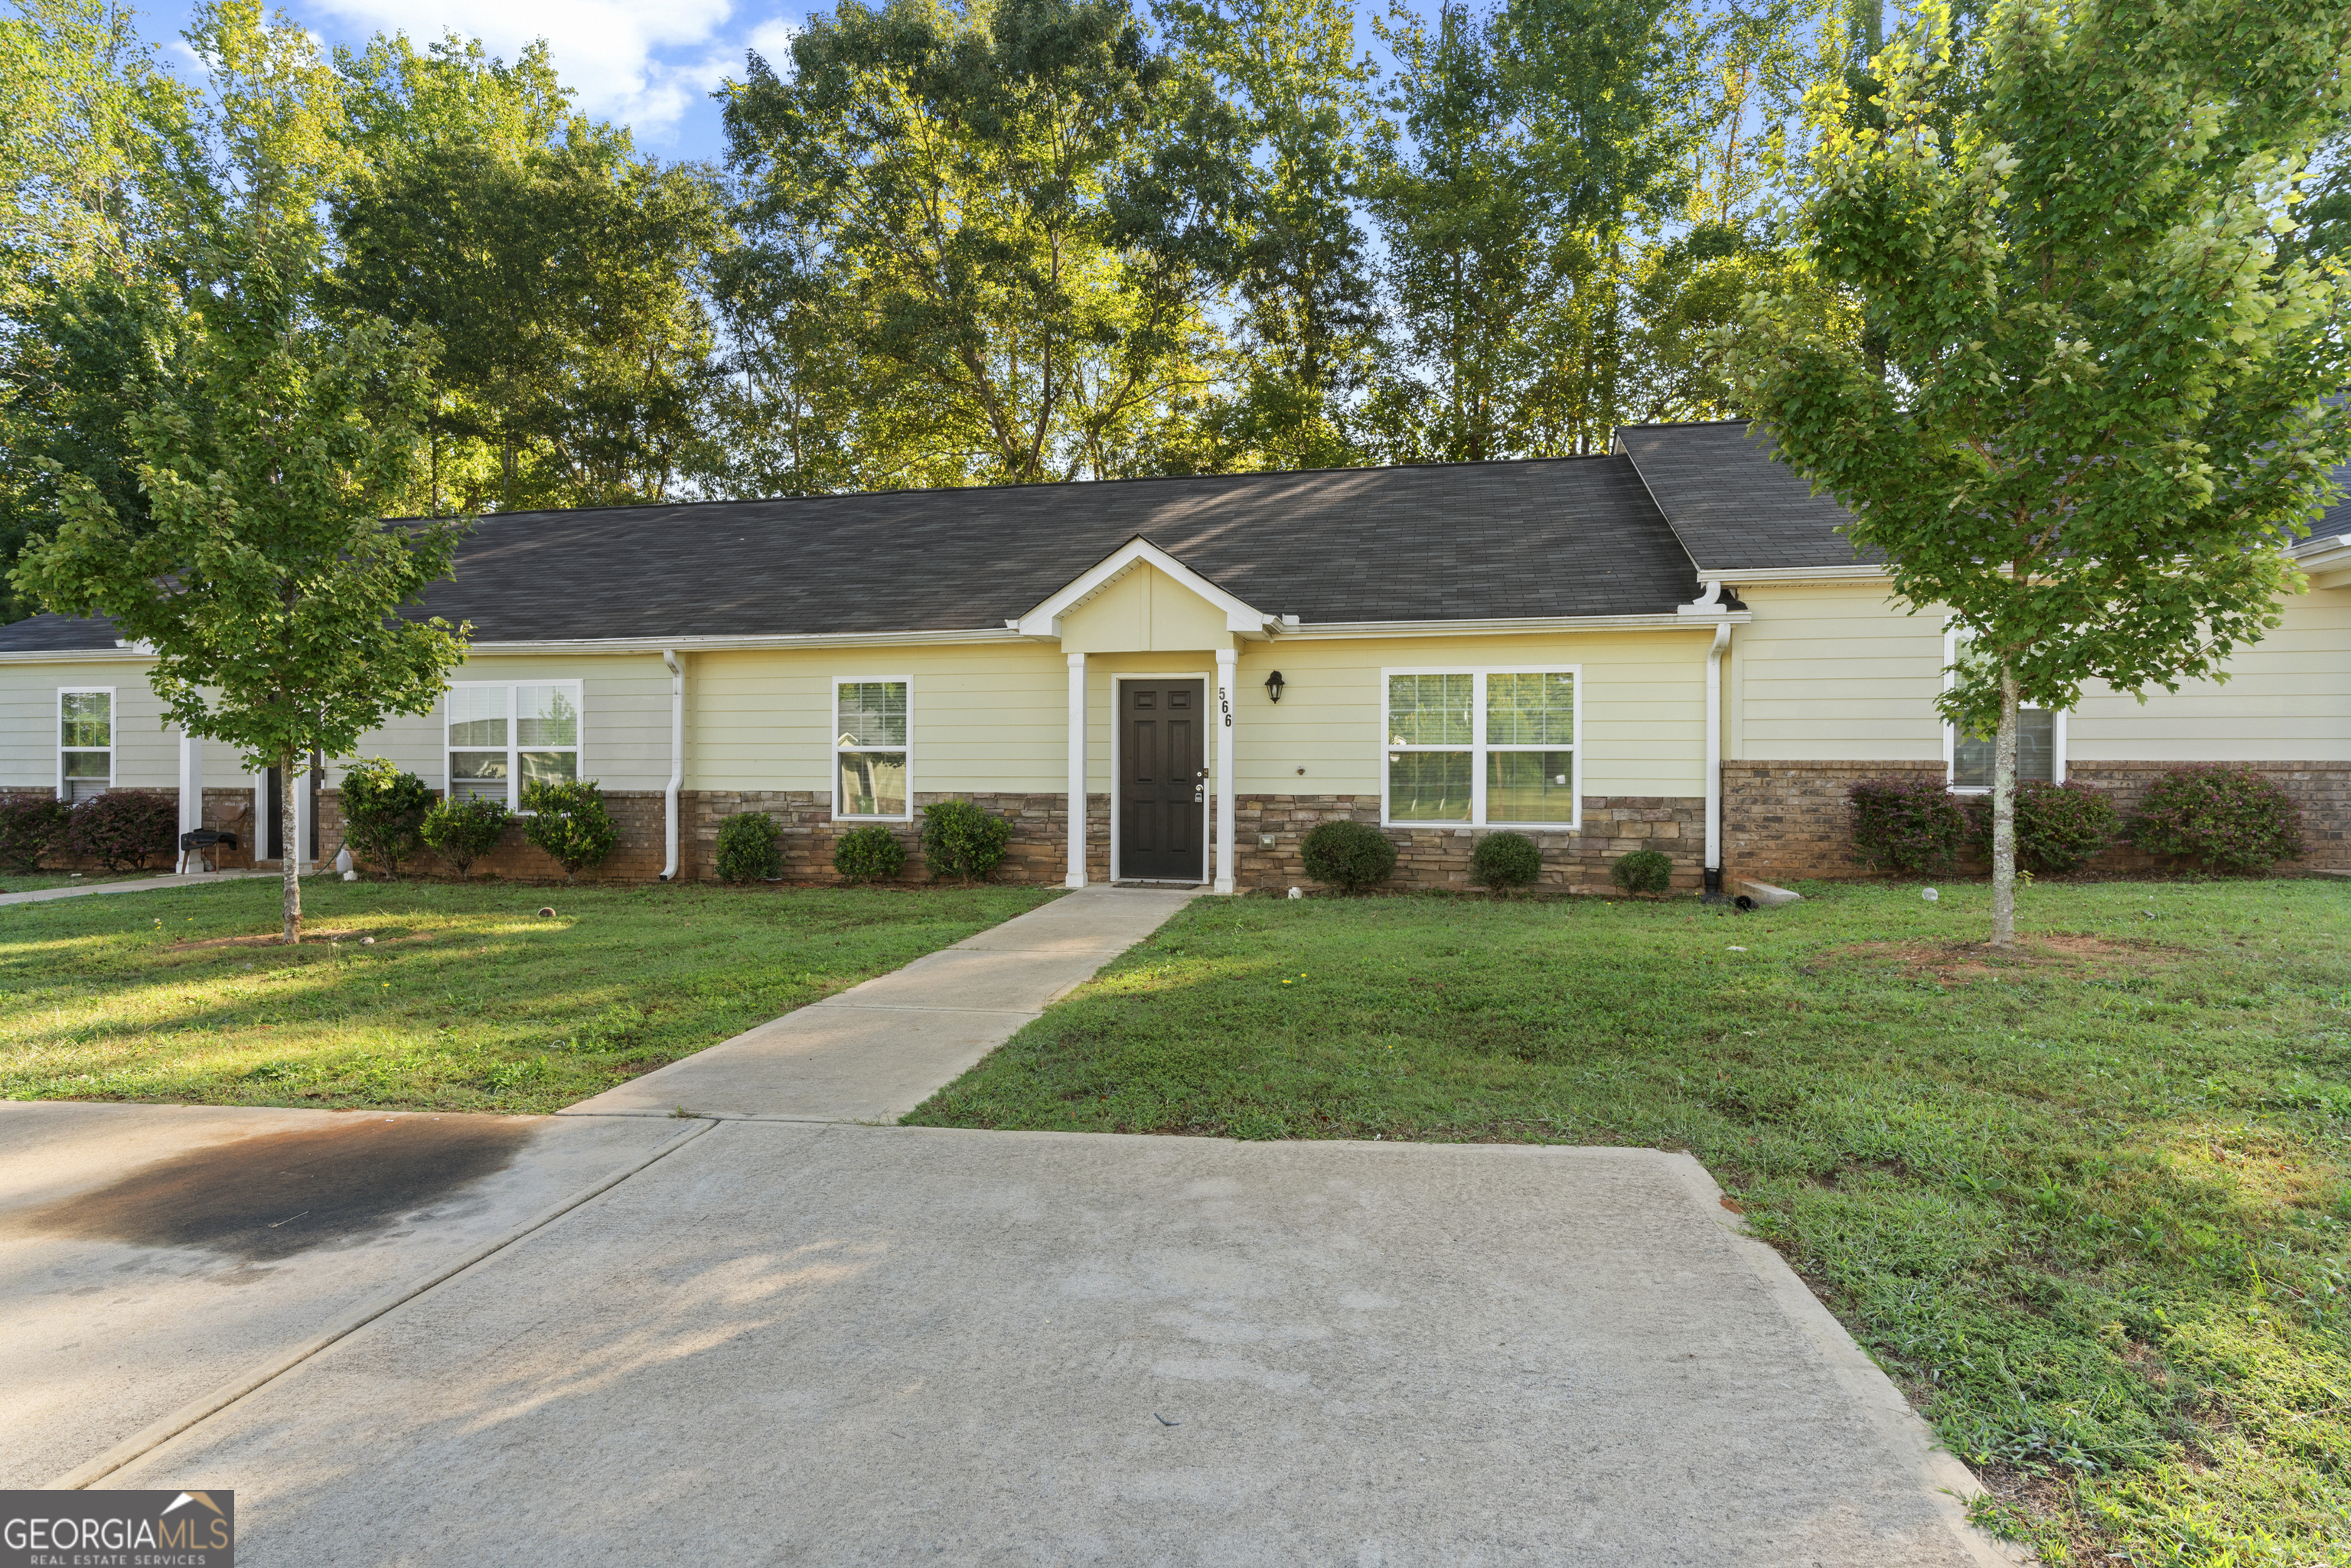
144, 884
155, 1435
1903, 1429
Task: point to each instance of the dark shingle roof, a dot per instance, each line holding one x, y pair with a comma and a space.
1733, 505
56, 634
1545, 537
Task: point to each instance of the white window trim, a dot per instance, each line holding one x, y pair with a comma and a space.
1951, 639
833, 749
1479, 748
57, 732
514, 738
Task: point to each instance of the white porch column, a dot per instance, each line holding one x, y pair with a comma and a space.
1077, 873
1226, 658
192, 787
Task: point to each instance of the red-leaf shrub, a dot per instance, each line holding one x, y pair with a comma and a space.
2059, 827
2230, 818
1905, 824
121, 827
30, 827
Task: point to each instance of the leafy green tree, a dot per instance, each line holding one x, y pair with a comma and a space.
260, 575
559, 273
2097, 407
85, 285
1464, 223
1275, 135
939, 183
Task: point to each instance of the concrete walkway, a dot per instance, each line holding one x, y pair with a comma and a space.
875, 1052
139, 884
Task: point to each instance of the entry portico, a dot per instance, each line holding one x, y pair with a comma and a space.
1140, 599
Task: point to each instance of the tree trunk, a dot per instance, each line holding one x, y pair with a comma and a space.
289, 848
2003, 815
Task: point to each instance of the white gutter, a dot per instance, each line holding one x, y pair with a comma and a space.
1861, 571
1714, 757
1493, 626
676, 759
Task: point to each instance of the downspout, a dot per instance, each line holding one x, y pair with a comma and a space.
676, 759
1714, 759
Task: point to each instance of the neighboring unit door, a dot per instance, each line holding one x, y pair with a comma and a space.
1161, 782
277, 811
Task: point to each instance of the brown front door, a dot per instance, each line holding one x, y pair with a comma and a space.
1161, 781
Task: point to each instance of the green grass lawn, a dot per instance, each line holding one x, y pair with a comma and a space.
2087, 1203
465, 999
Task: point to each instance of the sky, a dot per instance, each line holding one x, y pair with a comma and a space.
650, 65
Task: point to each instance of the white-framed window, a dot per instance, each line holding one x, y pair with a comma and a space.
1482, 748
1968, 758
84, 741
873, 748
500, 735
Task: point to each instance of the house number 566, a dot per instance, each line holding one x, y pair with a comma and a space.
1224, 705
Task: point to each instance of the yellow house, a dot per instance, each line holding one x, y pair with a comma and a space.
1666, 647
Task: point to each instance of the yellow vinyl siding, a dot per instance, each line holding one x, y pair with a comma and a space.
2287, 699
985, 717
146, 752
624, 718
1640, 706
1143, 611
1838, 672
1831, 670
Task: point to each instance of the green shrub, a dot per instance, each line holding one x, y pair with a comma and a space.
1905, 825
120, 828
1505, 861
30, 827
1643, 871
462, 832
750, 848
2230, 818
569, 823
383, 812
2059, 827
961, 840
1351, 856
870, 854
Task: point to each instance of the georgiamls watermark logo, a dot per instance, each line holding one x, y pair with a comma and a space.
118, 1529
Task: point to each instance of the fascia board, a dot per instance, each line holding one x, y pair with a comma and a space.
1241, 616
749, 643
77, 655
1506, 626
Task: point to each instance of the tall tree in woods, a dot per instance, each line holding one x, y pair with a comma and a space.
1742, 91
1464, 220
556, 269
1602, 87
258, 569
85, 269
941, 186
1280, 108
2096, 401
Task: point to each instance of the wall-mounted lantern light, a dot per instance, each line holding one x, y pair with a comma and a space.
1273, 684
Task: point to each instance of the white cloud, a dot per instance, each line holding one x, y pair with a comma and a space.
648, 63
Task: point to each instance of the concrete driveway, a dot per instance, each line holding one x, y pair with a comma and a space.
150, 1252
795, 1344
